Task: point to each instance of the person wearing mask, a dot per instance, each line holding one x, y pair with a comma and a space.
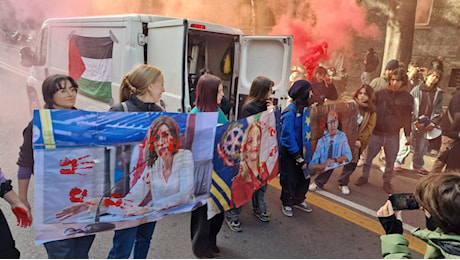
140, 91
370, 65
59, 92
426, 116
257, 102
294, 176
203, 231
7, 246
438, 196
394, 109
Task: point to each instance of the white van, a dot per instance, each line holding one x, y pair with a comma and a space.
179, 47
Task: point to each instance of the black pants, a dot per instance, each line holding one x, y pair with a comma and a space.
294, 186
7, 244
203, 231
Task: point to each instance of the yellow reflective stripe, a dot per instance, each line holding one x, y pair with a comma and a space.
47, 129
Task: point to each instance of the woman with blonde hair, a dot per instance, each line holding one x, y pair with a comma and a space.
140, 91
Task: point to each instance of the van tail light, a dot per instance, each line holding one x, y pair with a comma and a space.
198, 26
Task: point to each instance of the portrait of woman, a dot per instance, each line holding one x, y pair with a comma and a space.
253, 173
168, 175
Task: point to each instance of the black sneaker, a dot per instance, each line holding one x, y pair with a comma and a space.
264, 217
234, 225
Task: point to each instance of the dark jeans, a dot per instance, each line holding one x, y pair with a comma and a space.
203, 231
138, 237
7, 244
76, 248
294, 186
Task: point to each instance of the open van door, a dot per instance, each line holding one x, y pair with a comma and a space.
268, 56
166, 49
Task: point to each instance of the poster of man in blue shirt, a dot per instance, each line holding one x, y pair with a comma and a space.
332, 151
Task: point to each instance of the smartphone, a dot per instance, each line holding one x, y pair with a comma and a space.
404, 201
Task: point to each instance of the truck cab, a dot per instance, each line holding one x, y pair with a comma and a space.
179, 47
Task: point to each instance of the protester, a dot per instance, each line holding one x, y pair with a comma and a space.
8, 246
322, 87
257, 102
331, 151
438, 195
365, 98
59, 92
450, 136
294, 176
381, 83
140, 91
203, 231
426, 116
394, 107
370, 65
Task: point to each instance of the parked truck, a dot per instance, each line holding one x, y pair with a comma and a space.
99, 50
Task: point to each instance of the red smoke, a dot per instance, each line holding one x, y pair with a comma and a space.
331, 23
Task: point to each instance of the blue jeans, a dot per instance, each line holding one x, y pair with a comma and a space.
259, 205
71, 248
390, 145
420, 146
125, 239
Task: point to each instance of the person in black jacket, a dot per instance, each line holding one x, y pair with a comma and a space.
257, 101
140, 91
394, 110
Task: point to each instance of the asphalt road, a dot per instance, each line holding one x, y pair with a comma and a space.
339, 227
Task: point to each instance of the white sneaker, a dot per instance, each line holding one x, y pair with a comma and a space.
345, 190
382, 168
313, 187
360, 163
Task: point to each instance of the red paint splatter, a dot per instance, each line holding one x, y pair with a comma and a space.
75, 165
77, 194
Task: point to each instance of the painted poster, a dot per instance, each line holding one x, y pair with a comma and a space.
333, 128
99, 171
245, 159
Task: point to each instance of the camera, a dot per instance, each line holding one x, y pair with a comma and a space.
424, 120
404, 201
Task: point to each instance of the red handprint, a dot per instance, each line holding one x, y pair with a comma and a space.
75, 164
77, 195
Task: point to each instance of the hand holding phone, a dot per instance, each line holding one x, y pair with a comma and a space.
404, 201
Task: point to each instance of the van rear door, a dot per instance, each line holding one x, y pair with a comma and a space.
166, 49
268, 56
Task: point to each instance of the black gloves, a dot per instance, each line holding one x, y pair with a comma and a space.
299, 161
391, 224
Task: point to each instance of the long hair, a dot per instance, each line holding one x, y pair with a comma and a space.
137, 81
439, 194
53, 84
244, 168
371, 107
437, 73
206, 93
152, 135
260, 87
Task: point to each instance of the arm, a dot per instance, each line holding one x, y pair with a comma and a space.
184, 163
437, 109
138, 192
26, 164
22, 212
332, 91
366, 133
315, 166
346, 155
288, 139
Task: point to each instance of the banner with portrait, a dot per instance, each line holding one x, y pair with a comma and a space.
99, 171
245, 159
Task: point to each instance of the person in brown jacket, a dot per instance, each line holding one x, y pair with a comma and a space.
365, 97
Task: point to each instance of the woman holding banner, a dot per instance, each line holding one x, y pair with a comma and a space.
204, 232
140, 90
59, 92
257, 102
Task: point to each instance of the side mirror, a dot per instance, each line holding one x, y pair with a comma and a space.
27, 57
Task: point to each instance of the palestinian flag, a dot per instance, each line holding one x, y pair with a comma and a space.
90, 64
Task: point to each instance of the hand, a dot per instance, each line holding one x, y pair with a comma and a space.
328, 79
23, 216
386, 210
330, 162
357, 143
135, 211
408, 140
76, 208
270, 105
429, 127
315, 168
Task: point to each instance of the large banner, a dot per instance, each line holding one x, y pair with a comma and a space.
245, 159
98, 171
